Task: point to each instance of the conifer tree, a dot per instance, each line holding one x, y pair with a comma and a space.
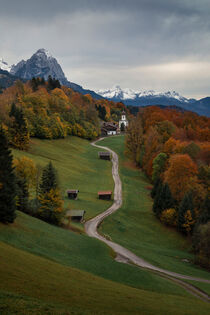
157, 182
19, 129
205, 215
22, 194
7, 182
163, 199
157, 201
185, 206
48, 179
51, 203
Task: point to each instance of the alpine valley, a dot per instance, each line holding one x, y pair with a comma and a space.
43, 64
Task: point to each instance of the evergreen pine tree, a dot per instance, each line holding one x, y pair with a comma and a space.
157, 201
155, 187
205, 215
48, 179
185, 205
163, 199
166, 196
19, 129
51, 203
7, 182
22, 194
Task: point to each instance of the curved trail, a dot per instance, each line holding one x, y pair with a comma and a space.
123, 254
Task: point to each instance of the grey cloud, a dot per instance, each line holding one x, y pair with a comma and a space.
91, 37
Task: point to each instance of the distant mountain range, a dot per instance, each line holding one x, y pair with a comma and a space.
144, 98
43, 64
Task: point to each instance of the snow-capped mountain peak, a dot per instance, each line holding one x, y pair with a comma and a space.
41, 64
4, 65
116, 93
40, 52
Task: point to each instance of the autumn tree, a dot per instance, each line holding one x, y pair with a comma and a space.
26, 169
7, 182
51, 203
181, 169
134, 139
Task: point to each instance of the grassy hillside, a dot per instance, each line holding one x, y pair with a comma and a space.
48, 270
137, 228
35, 285
78, 167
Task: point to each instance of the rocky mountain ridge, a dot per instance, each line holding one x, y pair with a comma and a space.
144, 98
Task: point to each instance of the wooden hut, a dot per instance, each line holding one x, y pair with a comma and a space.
105, 195
72, 193
75, 215
104, 155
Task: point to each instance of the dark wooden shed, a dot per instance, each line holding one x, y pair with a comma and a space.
105, 195
104, 155
72, 193
75, 215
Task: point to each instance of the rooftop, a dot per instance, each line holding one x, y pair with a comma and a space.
104, 153
72, 191
75, 213
105, 192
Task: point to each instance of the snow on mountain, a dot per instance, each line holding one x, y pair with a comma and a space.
4, 65
41, 64
116, 93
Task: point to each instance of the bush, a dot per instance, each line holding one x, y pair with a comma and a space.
169, 217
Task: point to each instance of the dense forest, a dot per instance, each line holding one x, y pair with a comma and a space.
47, 110
173, 150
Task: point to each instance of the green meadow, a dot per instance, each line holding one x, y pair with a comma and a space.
78, 167
50, 270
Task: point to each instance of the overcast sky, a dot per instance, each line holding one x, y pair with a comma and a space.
140, 44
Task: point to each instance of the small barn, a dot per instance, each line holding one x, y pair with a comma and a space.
105, 195
72, 193
104, 155
75, 215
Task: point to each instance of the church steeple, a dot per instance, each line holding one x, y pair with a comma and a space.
123, 123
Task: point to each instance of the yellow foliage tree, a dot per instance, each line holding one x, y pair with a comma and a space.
169, 217
189, 222
26, 169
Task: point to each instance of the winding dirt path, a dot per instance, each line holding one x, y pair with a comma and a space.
123, 254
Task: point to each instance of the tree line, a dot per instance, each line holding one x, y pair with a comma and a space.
47, 110
173, 149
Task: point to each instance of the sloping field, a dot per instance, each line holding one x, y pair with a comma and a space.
49, 270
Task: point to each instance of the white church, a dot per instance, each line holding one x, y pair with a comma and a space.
123, 122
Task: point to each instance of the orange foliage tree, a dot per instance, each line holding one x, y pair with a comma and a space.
181, 169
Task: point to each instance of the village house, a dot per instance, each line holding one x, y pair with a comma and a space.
109, 129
